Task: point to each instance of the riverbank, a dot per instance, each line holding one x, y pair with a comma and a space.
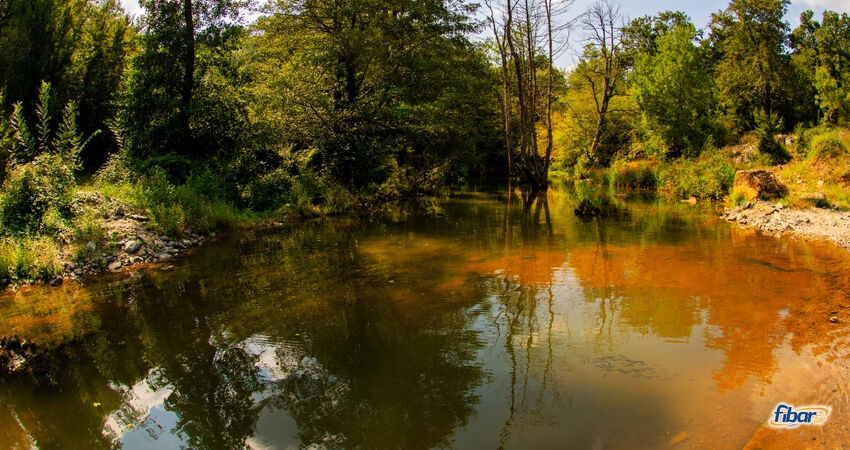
810, 223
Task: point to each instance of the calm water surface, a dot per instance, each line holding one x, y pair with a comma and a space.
478, 320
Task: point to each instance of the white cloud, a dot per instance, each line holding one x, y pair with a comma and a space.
835, 5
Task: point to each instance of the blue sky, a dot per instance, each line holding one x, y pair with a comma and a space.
700, 11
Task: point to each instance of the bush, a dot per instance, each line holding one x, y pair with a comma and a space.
827, 144
709, 176
767, 126
89, 227
267, 191
741, 195
197, 204
32, 189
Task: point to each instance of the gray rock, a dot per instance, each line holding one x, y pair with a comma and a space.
91, 246
115, 266
163, 256
56, 281
132, 246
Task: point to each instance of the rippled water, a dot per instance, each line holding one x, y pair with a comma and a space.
478, 320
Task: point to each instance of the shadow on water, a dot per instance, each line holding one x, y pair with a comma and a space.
488, 318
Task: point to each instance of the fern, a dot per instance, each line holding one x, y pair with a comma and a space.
42, 114
68, 142
25, 147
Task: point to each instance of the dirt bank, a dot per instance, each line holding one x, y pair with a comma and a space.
810, 223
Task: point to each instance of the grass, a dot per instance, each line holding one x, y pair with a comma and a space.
638, 174
28, 259
822, 165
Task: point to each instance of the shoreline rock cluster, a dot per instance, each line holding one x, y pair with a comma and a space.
810, 223
131, 242
142, 248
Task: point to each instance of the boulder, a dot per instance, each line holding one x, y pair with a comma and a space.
587, 209
132, 246
760, 183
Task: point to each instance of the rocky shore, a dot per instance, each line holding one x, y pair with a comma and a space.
129, 241
810, 223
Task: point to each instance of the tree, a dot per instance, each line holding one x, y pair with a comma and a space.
181, 42
602, 65
525, 34
822, 52
79, 47
364, 89
753, 71
675, 91
642, 34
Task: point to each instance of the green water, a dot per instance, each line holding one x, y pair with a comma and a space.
477, 320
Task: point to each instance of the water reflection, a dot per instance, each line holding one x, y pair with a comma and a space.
484, 319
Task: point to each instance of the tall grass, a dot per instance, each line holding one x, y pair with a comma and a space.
640, 174
28, 259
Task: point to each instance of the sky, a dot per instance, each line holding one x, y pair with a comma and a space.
700, 11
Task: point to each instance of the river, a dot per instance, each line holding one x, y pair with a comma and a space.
479, 319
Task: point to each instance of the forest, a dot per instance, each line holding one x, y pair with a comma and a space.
204, 115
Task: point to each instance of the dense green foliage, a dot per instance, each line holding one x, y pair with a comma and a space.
201, 119
675, 92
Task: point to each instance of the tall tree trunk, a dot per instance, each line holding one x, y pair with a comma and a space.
506, 101
188, 66
549, 82
521, 94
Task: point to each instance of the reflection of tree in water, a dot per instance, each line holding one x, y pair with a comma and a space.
520, 315
359, 366
212, 382
371, 371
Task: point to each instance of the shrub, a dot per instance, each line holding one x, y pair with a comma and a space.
767, 126
709, 176
89, 227
267, 191
197, 204
33, 189
741, 195
826, 145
